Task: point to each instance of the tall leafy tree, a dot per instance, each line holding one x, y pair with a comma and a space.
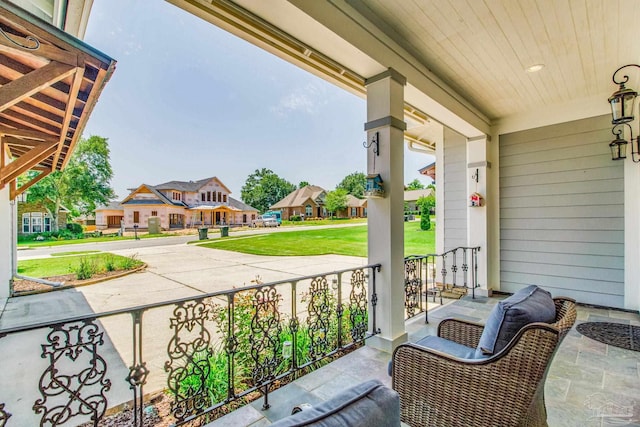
82, 185
415, 185
354, 184
336, 200
264, 188
303, 184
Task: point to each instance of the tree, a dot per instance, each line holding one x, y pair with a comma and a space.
264, 188
426, 203
335, 200
303, 184
415, 185
354, 184
82, 185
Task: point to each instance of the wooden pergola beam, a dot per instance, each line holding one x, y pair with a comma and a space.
73, 94
19, 89
11, 140
45, 51
27, 133
15, 192
25, 162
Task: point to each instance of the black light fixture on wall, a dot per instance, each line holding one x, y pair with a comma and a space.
622, 102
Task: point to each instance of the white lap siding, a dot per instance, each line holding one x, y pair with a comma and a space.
562, 212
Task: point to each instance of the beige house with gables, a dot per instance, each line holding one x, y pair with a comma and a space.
178, 204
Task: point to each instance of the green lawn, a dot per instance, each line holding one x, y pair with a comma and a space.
326, 221
340, 241
57, 266
110, 238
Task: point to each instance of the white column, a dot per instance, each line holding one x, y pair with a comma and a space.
440, 189
478, 168
385, 113
7, 243
631, 235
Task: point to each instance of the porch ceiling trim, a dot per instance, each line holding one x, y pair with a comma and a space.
49, 84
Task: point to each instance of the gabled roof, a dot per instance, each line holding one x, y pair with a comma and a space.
151, 189
189, 186
50, 82
300, 196
413, 195
240, 205
354, 202
111, 206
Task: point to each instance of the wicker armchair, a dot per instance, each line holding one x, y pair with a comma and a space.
506, 389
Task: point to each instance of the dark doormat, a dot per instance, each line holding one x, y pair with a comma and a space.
616, 334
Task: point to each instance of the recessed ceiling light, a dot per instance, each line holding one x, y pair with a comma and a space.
534, 68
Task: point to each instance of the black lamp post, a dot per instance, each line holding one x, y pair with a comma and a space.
622, 102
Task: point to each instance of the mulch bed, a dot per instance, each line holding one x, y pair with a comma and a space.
616, 334
25, 287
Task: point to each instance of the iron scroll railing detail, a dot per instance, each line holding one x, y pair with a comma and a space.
75, 382
429, 275
236, 338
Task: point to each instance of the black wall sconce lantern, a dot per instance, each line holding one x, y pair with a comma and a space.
622, 102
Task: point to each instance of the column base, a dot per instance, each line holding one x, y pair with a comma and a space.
482, 292
387, 344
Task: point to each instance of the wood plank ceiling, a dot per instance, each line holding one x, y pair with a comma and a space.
49, 84
483, 47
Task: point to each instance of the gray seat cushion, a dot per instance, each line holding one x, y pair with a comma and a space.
368, 404
449, 347
528, 305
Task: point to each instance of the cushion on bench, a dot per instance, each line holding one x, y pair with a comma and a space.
366, 405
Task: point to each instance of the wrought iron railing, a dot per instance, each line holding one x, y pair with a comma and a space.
203, 352
429, 275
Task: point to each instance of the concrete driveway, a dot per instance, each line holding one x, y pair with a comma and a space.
174, 271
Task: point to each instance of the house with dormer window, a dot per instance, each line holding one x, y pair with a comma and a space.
179, 204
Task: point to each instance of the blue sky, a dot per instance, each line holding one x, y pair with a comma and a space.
189, 100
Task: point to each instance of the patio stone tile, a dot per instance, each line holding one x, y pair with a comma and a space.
556, 388
598, 318
577, 373
620, 366
335, 386
621, 384
592, 346
624, 315
246, 415
283, 400
262, 422
318, 377
621, 353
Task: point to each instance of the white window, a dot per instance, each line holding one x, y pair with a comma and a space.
308, 211
47, 222
36, 222
26, 223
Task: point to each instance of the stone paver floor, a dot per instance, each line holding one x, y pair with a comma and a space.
589, 383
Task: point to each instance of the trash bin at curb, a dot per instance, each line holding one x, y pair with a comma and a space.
224, 231
202, 233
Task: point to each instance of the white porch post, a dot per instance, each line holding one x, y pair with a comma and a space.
478, 168
385, 112
631, 236
7, 244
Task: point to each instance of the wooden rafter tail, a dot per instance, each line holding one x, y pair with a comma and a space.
12, 140
86, 112
24, 187
27, 133
40, 78
26, 162
73, 94
44, 51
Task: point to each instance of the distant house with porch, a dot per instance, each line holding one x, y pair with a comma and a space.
109, 216
307, 201
356, 208
412, 196
179, 204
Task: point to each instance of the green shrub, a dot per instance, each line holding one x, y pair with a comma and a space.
295, 218
86, 268
75, 228
110, 263
425, 222
130, 262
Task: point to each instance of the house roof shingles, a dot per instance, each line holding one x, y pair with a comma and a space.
298, 197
